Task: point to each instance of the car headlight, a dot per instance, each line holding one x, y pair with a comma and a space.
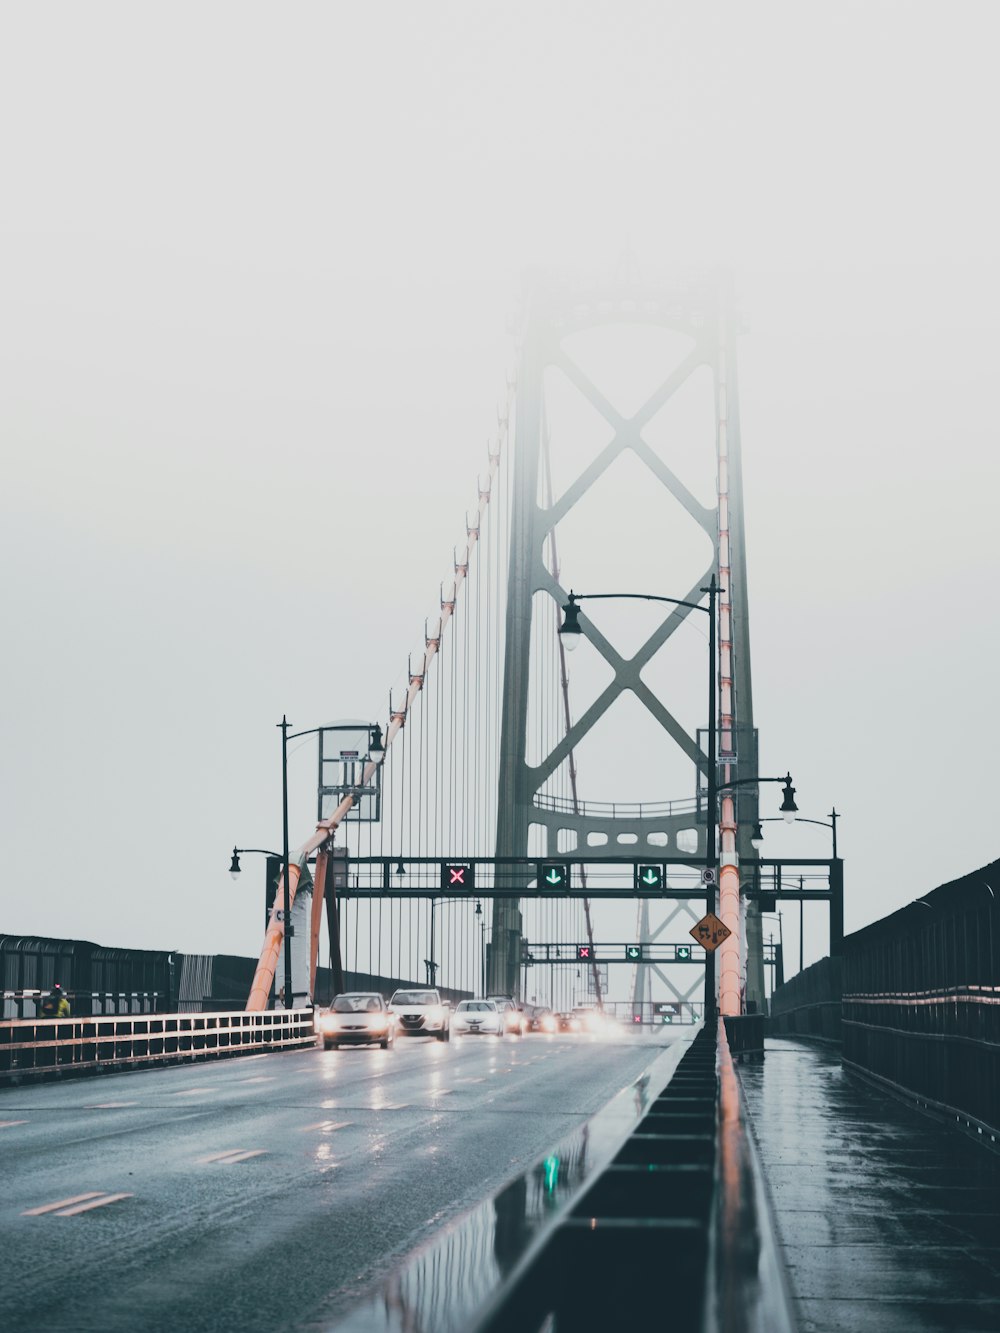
434, 1015
327, 1023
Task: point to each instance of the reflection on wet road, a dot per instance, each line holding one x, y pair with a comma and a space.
208, 1198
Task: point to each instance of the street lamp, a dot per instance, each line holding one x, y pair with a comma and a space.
571, 635
836, 878
429, 963
788, 808
376, 747
758, 834
234, 865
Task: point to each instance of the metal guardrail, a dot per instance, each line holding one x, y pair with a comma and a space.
40, 1047
653, 1214
685, 805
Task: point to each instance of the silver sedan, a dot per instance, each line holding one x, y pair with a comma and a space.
472, 1016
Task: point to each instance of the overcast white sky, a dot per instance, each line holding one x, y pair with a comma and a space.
258, 263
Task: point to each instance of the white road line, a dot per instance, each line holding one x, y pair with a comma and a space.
96, 1203
260, 1078
232, 1155
109, 1106
6, 1124
192, 1092
62, 1203
389, 1106
327, 1126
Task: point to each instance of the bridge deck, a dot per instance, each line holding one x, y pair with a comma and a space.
889, 1221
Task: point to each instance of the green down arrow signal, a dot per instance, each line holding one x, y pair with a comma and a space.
553, 877
651, 877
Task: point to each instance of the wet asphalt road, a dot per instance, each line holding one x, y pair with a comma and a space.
268, 1192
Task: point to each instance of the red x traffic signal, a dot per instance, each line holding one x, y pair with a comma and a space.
458, 877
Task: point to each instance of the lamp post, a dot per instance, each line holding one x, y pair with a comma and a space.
430, 963
571, 632
376, 747
836, 878
482, 947
234, 872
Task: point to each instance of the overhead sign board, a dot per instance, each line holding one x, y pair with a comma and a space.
710, 932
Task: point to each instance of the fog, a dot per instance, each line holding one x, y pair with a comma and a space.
260, 267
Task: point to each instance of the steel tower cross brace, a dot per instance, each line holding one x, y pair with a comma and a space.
702, 311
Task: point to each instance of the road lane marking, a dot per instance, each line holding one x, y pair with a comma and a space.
232, 1155
109, 1106
389, 1106
6, 1124
94, 1203
442, 1092
192, 1092
470, 1080
327, 1126
62, 1203
258, 1078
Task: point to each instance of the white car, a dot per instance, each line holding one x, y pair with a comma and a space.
513, 1018
420, 1013
356, 1018
474, 1016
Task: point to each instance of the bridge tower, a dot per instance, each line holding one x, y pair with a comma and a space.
530, 821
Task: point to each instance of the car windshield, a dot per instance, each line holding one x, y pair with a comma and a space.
356, 1004
415, 997
477, 1007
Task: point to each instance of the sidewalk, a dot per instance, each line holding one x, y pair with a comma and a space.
890, 1222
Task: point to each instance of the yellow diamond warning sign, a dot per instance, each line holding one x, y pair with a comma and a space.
710, 932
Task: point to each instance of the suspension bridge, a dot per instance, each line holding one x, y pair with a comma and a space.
563, 803
480, 764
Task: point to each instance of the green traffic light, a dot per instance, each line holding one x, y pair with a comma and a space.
555, 875
550, 1168
649, 877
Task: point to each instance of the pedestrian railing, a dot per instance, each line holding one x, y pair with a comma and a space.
27, 1003
46, 1046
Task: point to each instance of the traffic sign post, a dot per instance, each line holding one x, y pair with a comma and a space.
710, 932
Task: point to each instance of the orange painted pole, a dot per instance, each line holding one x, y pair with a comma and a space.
316, 920
730, 952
